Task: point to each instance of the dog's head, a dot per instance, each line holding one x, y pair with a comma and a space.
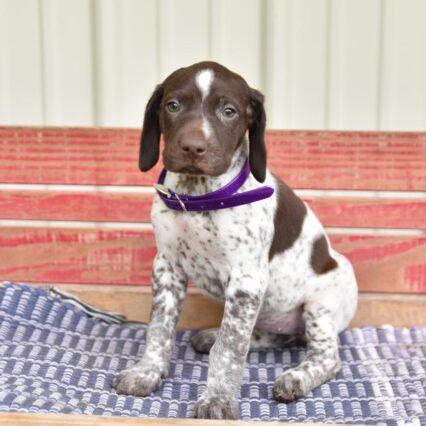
204, 112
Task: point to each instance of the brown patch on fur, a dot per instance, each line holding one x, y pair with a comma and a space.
321, 260
288, 221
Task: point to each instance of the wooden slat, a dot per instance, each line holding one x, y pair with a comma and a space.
296, 62
230, 34
314, 160
404, 213
399, 310
111, 256
127, 30
354, 212
39, 419
374, 309
182, 40
83, 206
68, 67
386, 263
198, 311
403, 69
21, 91
71, 156
353, 64
76, 255
349, 160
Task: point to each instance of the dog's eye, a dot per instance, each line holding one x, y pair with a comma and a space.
173, 106
228, 112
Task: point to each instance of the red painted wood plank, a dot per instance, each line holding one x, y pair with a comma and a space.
385, 263
382, 263
76, 255
405, 213
77, 206
333, 160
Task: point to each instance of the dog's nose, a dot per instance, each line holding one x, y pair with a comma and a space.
193, 147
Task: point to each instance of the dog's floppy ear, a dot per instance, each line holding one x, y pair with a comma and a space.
151, 132
256, 131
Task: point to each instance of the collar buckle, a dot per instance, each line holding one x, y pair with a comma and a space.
182, 204
162, 189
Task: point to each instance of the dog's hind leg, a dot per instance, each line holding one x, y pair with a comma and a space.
204, 340
264, 340
322, 360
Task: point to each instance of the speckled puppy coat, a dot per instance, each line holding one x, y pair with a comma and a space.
269, 262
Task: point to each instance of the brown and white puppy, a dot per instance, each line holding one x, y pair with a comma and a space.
269, 262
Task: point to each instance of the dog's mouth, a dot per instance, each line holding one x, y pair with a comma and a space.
196, 169
202, 167
191, 170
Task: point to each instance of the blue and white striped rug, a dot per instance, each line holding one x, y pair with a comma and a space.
55, 358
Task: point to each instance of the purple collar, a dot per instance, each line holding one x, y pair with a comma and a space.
222, 198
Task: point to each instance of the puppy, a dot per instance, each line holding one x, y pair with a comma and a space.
260, 251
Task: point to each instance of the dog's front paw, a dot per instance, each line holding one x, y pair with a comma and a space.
137, 381
216, 407
292, 384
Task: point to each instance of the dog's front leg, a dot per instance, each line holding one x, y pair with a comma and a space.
243, 299
169, 284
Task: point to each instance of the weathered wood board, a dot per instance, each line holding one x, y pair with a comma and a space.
313, 160
55, 255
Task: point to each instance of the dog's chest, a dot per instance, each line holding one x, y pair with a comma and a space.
209, 244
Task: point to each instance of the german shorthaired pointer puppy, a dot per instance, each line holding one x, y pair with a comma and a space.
222, 220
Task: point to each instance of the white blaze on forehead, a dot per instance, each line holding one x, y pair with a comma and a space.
203, 80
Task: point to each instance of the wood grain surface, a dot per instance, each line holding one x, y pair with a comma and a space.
199, 311
348, 160
38, 419
403, 213
111, 267
120, 256
304, 159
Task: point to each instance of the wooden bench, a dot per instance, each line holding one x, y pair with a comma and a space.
75, 212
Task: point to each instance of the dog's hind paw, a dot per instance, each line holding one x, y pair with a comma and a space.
137, 381
216, 407
204, 340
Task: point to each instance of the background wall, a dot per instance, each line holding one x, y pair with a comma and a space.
323, 64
